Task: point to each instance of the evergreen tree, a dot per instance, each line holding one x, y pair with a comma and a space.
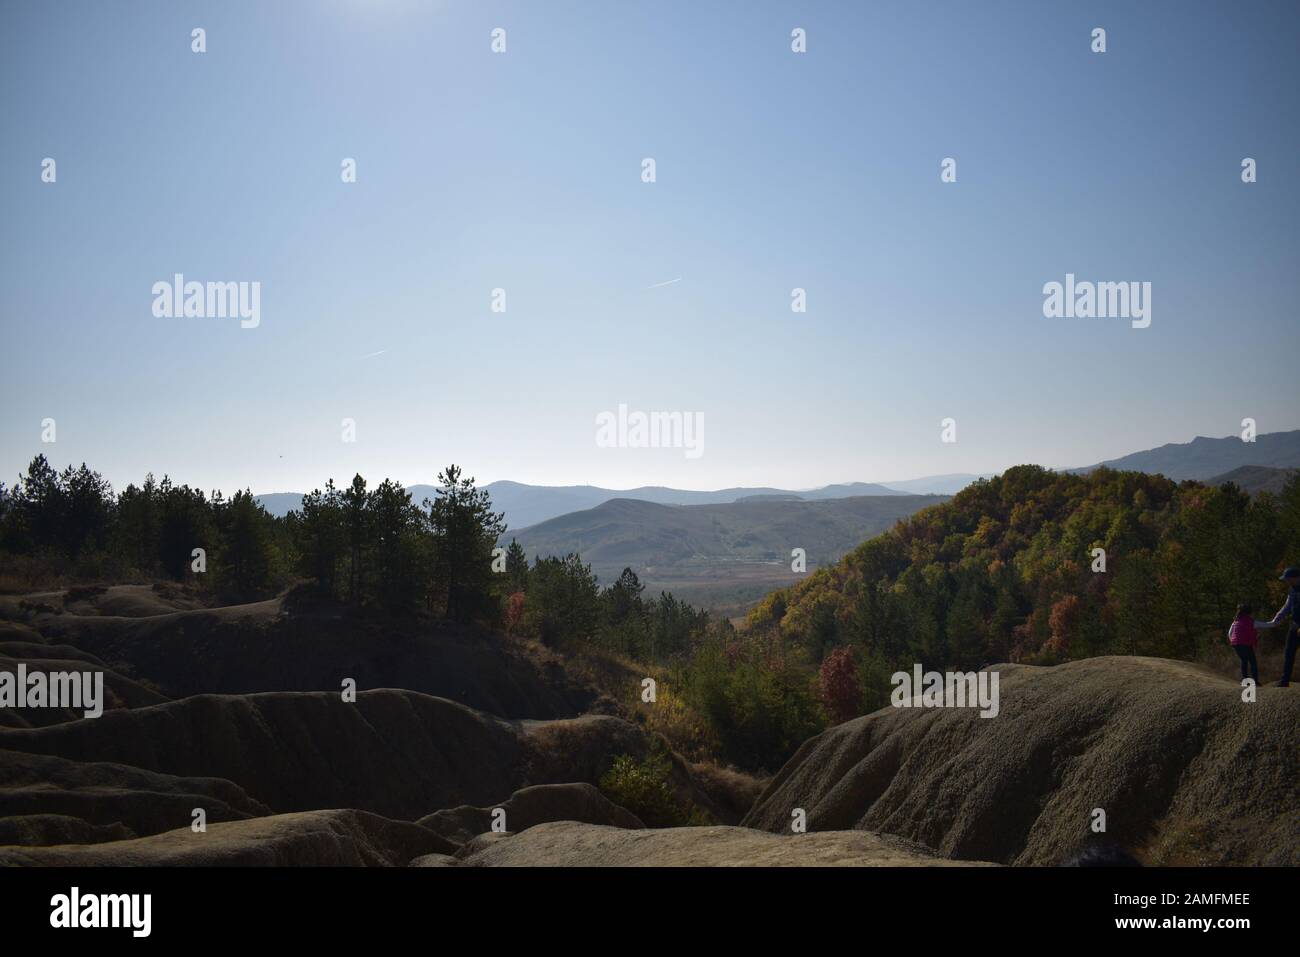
136, 535
396, 527
465, 531
563, 603
320, 535
516, 567
184, 524
355, 503
246, 558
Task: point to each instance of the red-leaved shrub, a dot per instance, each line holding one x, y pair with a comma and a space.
838, 687
514, 612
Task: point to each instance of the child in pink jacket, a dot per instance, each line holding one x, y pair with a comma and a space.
1244, 638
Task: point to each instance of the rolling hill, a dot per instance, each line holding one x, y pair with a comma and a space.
699, 552
526, 505
1255, 479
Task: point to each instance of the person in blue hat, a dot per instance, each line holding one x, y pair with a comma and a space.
1292, 607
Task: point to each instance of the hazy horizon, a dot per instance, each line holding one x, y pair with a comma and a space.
373, 477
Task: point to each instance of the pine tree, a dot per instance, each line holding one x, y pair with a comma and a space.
396, 526
356, 528
465, 531
320, 536
516, 567
245, 558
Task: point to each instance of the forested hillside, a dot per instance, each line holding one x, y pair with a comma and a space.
1005, 571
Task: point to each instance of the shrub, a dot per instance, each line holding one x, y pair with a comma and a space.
672, 717
761, 708
645, 788
514, 614
838, 686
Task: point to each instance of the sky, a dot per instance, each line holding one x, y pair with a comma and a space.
522, 170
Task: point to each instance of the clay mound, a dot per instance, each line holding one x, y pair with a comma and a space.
310, 839
733, 792
1184, 770
16, 607
433, 860
16, 633
568, 844
128, 601
105, 795
41, 829
119, 691
393, 752
280, 646
35, 648
530, 807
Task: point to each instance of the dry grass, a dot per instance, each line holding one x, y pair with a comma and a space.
1181, 844
1222, 660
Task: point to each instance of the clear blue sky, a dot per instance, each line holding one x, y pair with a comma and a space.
522, 171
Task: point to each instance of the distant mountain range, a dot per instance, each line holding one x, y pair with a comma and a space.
526, 505
1203, 459
725, 549
937, 484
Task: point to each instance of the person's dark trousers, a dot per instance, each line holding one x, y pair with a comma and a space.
1247, 656
1292, 643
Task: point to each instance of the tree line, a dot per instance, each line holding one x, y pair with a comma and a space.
356, 544
70, 524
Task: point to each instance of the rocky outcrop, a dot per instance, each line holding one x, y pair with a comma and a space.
529, 807
42, 829
103, 795
569, 844
308, 839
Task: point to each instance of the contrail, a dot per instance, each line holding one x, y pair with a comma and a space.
373, 354
666, 283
